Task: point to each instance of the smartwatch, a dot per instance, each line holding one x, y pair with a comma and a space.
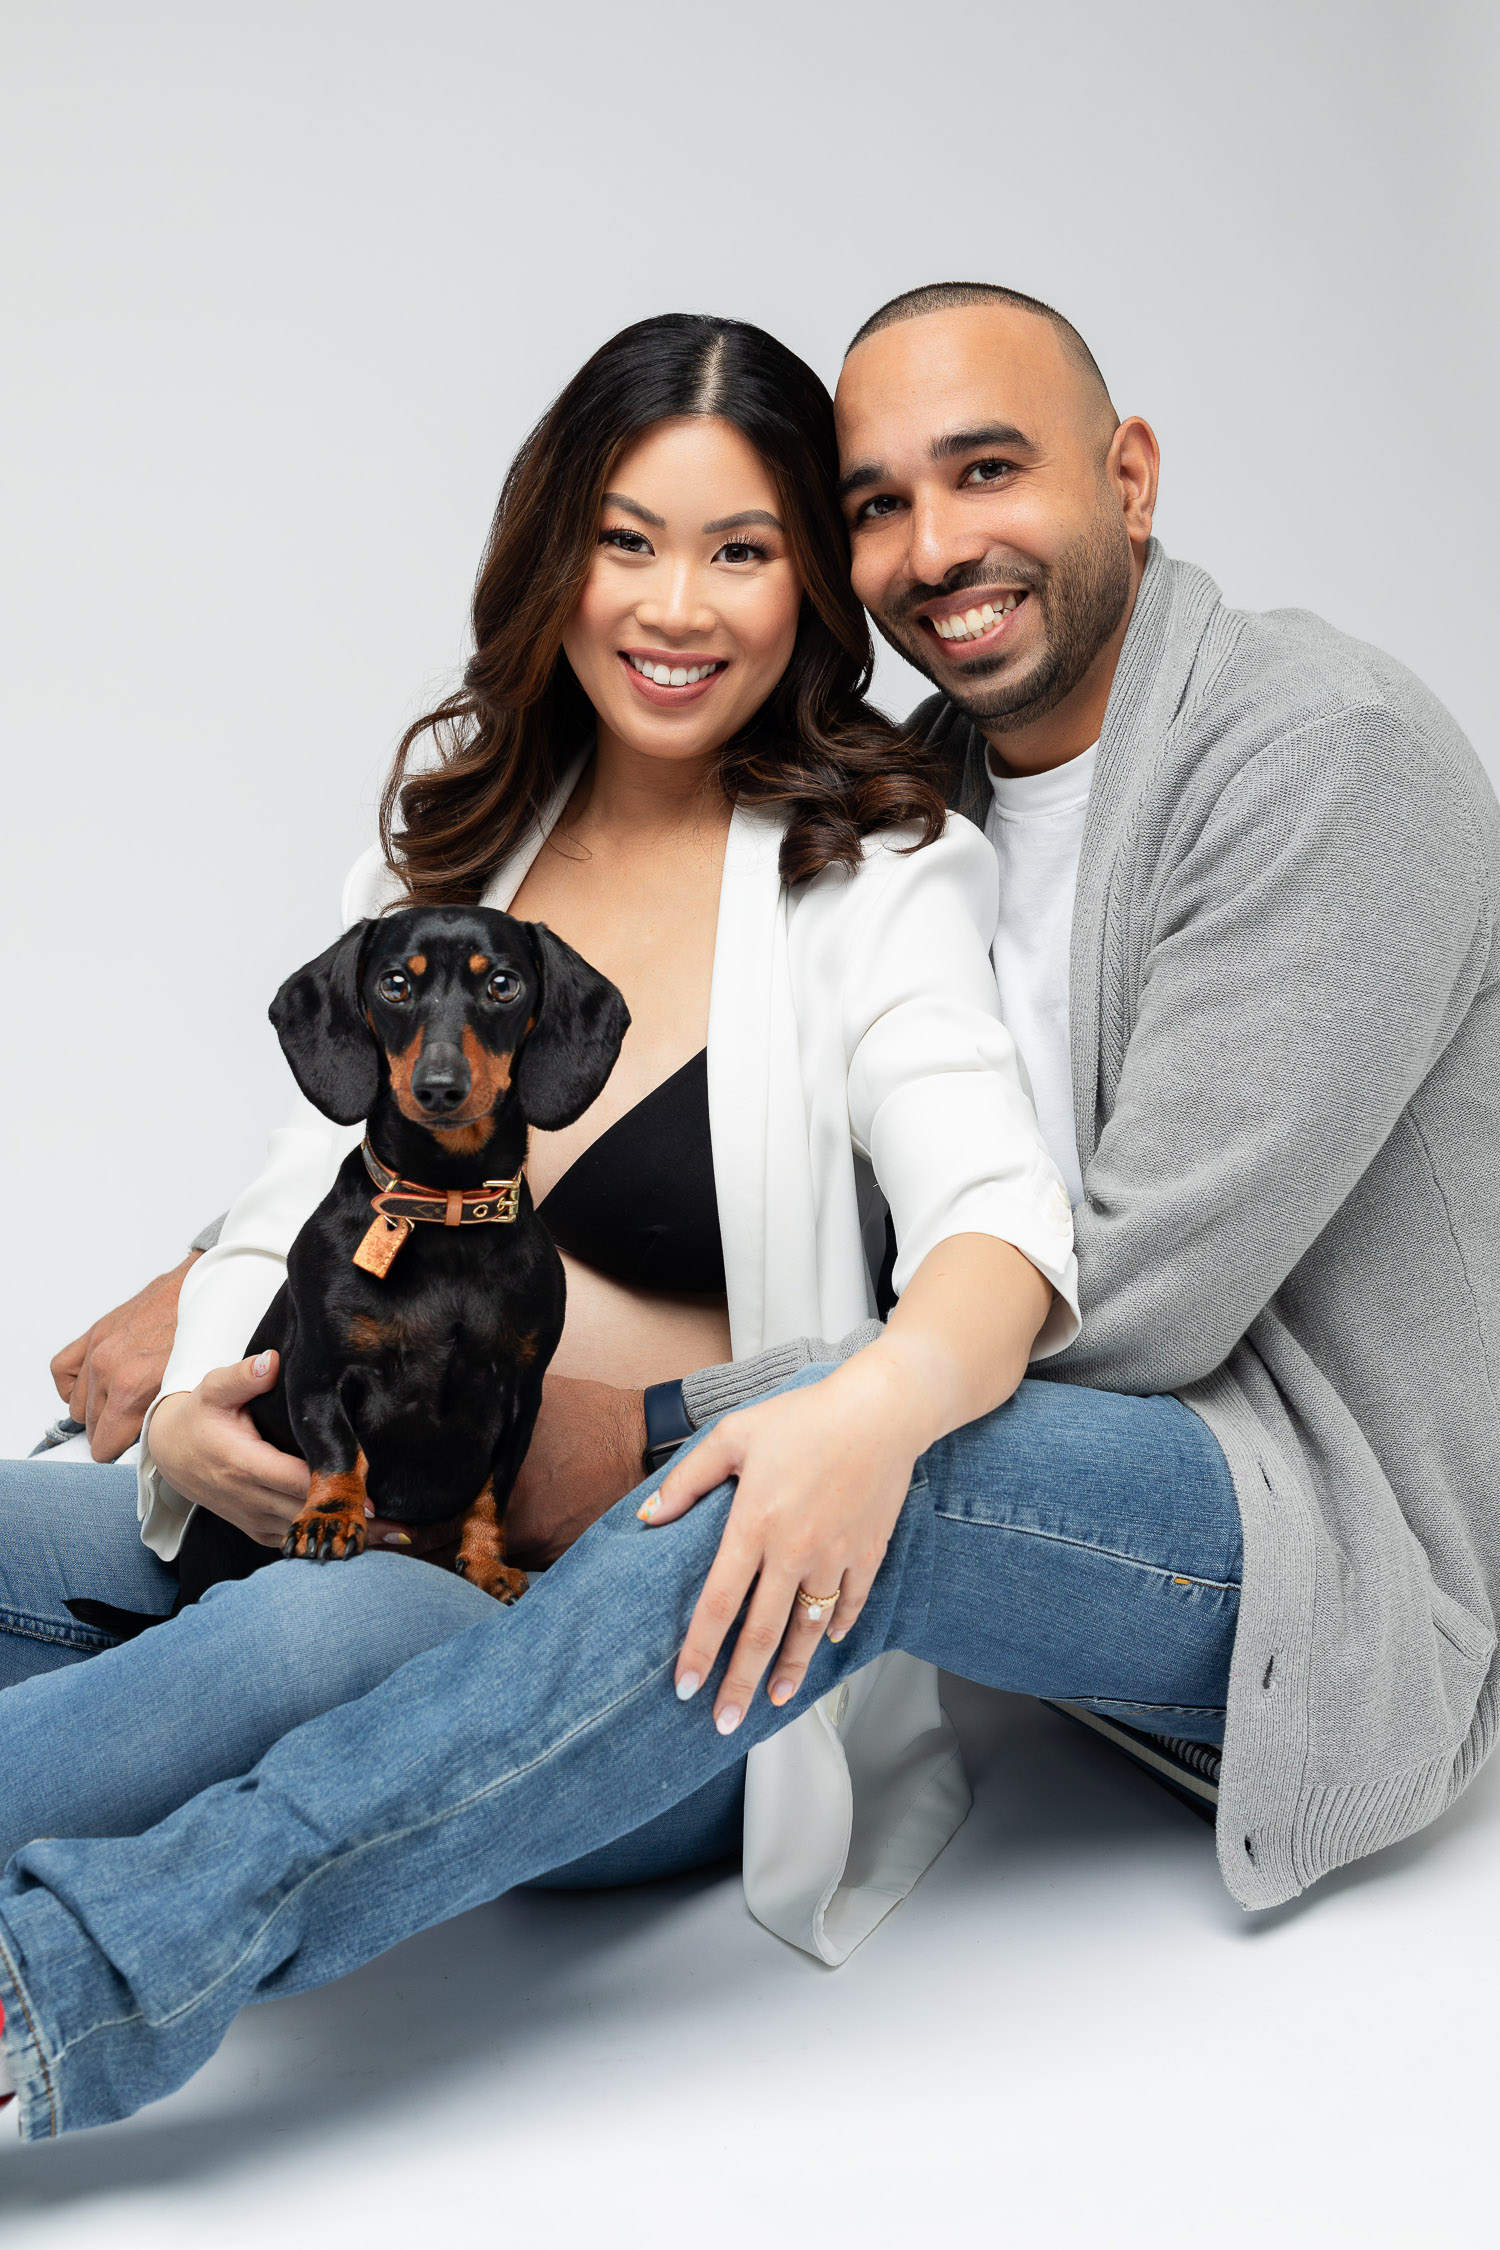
667, 1424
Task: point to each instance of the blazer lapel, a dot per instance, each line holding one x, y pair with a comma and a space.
512, 872
739, 1061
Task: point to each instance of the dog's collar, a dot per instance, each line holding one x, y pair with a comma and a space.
399, 1204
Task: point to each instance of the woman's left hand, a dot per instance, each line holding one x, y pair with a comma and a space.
822, 1474
822, 1471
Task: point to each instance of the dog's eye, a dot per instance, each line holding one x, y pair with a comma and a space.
504, 985
393, 987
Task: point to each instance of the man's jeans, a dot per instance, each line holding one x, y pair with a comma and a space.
319, 1761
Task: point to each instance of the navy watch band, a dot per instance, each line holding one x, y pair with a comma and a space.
667, 1424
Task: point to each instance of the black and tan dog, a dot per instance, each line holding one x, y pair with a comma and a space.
423, 1298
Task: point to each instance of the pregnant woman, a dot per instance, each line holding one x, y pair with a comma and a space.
661, 750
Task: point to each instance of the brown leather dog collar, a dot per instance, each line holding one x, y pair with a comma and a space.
400, 1204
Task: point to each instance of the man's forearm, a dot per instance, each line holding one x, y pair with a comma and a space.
714, 1390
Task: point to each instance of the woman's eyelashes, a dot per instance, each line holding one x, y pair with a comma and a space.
737, 553
743, 551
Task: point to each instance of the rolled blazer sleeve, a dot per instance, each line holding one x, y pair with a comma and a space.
938, 1099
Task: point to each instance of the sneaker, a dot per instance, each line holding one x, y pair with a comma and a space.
1189, 1769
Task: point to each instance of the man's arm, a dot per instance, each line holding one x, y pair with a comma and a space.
714, 1390
1310, 958
108, 1376
586, 1449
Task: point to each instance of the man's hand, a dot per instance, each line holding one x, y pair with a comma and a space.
585, 1455
108, 1376
209, 1450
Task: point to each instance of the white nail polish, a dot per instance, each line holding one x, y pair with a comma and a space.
728, 1719
261, 1363
688, 1686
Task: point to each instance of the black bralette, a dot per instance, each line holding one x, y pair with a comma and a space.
640, 1203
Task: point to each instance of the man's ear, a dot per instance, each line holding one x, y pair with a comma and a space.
324, 1035
574, 1041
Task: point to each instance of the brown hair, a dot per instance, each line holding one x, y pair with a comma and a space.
506, 737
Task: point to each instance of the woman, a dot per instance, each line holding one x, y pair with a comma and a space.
661, 750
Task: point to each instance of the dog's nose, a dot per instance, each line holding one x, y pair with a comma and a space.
441, 1079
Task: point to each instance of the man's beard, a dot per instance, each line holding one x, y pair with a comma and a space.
1082, 598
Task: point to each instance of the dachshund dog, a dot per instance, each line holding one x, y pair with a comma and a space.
413, 1342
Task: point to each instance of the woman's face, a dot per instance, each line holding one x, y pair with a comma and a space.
689, 612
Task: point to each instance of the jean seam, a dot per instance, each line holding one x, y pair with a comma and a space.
36, 2037
369, 1843
1138, 1703
27, 1627
1089, 1547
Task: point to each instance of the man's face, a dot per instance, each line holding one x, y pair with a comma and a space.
991, 528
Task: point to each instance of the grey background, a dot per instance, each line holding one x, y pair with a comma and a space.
285, 284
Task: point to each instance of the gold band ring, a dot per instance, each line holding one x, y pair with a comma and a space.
815, 1604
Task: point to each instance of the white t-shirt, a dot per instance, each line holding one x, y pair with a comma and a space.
1036, 826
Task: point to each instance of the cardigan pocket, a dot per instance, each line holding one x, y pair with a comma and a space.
1464, 1646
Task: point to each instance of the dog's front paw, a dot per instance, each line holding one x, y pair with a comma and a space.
325, 1535
492, 1576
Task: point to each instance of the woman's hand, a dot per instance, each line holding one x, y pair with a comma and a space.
822, 1472
209, 1450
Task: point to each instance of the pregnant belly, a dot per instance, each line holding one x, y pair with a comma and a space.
616, 1334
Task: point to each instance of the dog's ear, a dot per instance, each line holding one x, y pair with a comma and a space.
575, 1039
324, 1035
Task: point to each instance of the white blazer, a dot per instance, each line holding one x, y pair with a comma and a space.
854, 1046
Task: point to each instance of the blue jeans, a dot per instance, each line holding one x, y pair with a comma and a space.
319, 1762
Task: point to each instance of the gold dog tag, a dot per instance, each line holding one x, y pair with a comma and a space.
378, 1247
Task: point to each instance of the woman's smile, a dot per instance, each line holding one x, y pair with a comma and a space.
665, 677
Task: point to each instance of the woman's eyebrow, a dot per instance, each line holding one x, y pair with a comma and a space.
631, 508
745, 516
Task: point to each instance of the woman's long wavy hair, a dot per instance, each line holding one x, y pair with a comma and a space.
505, 739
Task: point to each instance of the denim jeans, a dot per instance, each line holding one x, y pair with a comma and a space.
319, 1762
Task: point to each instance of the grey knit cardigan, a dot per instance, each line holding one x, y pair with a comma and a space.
1286, 1067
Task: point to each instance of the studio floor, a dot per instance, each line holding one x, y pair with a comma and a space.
1068, 2036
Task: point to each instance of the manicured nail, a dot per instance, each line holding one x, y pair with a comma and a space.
729, 1718
369, 1510
261, 1364
688, 1686
782, 1691
648, 1508
838, 1636
395, 1538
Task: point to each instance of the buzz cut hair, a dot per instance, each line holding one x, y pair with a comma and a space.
950, 296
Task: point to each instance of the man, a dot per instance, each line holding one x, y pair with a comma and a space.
1247, 951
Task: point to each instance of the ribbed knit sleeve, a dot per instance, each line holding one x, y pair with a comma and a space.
716, 1390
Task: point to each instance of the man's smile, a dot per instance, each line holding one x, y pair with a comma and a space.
974, 624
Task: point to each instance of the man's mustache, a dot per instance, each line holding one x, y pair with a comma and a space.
1029, 577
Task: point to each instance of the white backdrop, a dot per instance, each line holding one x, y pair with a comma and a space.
283, 285
286, 284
